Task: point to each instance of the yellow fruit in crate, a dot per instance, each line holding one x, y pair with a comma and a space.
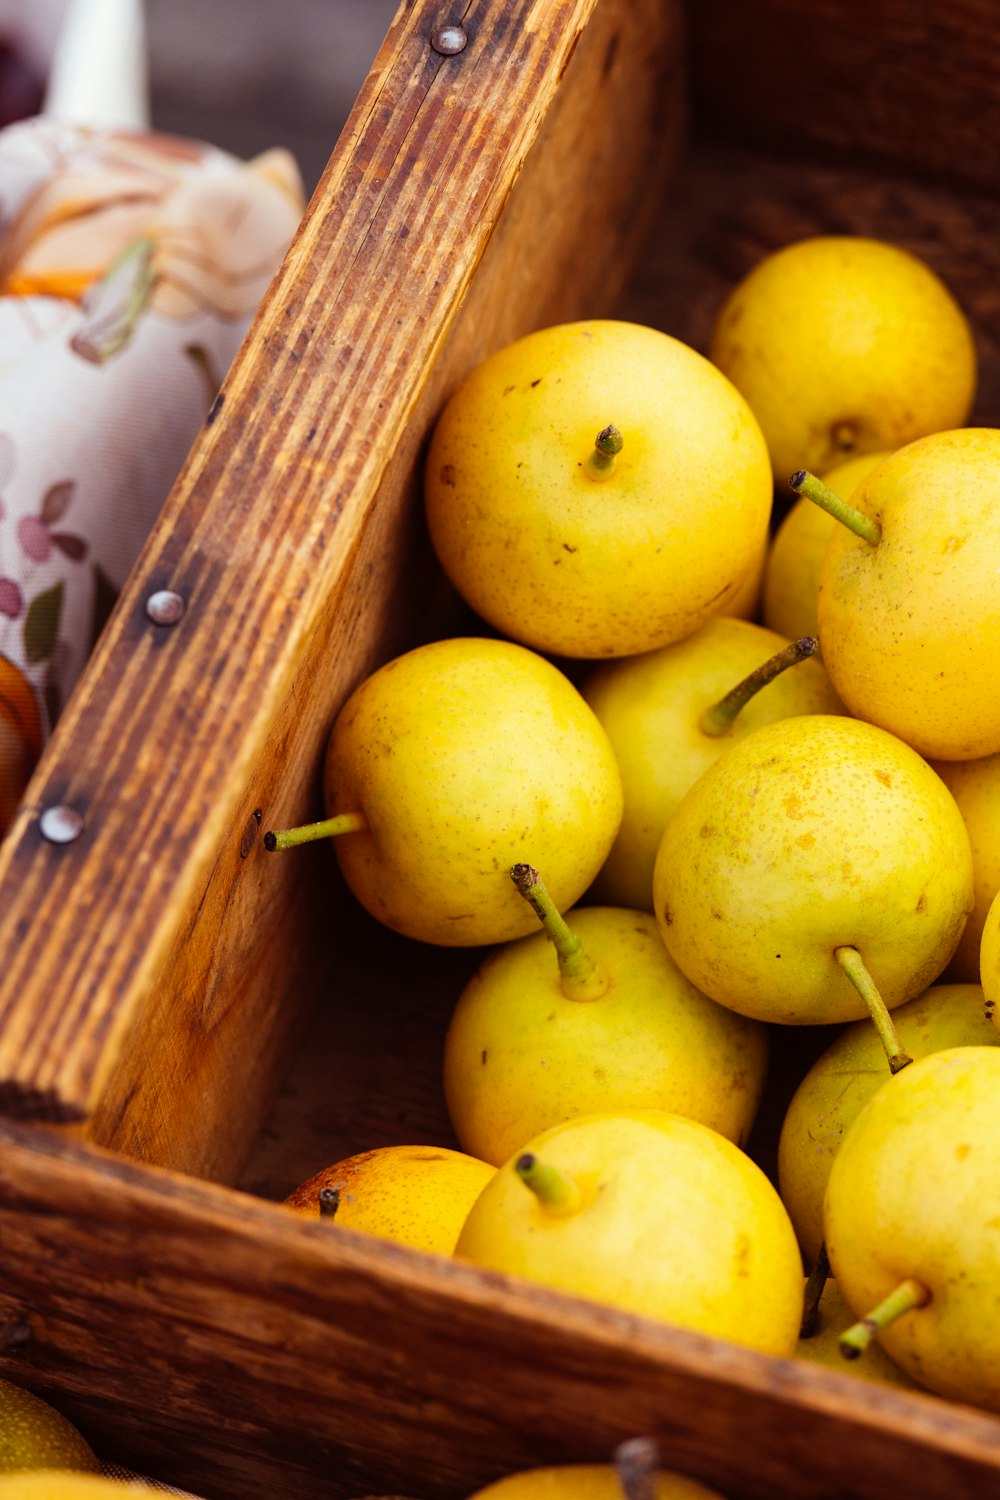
839, 1084
527, 1047
415, 1195
33, 1435
648, 1212
909, 613
814, 845
975, 786
911, 1224
989, 961
656, 709
58, 1484
791, 573
598, 489
843, 344
588, 1482
452, 763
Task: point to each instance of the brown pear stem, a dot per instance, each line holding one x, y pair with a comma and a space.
607, 446
307, 833
329, 1202
815, 1283
717, 719
636, 1462
804, 483
579, 977
557, 1193
853, 965
907, 1296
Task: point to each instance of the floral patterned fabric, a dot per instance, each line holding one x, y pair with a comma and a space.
130, 268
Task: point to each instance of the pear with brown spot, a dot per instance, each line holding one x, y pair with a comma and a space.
818, 872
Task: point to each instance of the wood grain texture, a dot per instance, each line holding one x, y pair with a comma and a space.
230, 1345
154, 964
913, 85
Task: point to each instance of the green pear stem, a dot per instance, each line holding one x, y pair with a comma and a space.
329, 1202
822, 495
804, 483
636, 1462
815, 1282
607, 446
307, 833
580, 978
557, 1193
853, 965
907, 1296
717, 719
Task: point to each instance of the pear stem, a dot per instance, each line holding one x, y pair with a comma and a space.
804, 483
853, 965
607, 445
579, 977
287, 838
329, 1202
636, 1462
815, 1282
909, 1294
557, 1193
720, 717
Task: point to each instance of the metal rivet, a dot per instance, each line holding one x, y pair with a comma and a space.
60, 825
449, 40
165, 607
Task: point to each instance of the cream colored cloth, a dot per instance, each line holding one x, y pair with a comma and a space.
131, 265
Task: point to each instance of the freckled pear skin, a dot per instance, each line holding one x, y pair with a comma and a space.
466, 756
909, 626
593, 567
810, 834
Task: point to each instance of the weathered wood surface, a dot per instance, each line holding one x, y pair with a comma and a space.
913, 85
231, 1346
152, 967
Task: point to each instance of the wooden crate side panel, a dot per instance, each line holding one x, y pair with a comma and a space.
268, 931
316, 423
910, 84
217, 1341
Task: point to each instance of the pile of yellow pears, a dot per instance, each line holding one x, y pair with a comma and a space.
767, 759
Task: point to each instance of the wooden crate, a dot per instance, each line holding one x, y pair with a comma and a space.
189, 1026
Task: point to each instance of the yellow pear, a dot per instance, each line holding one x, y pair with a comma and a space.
795, 556
909, 609
815, 851
839, 1084
59, 1484
452, 763
415, 1195
588, 1016
911, 1218
598, 489
844, 344
625, 1479
660, 712
975, 786
989, 961
33, 1435
822, 1347
649, 1212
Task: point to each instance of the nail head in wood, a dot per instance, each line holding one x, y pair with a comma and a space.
450, 40
60, 825
165, 607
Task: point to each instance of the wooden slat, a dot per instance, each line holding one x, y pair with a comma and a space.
914, 85
228, 1345
288, 534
